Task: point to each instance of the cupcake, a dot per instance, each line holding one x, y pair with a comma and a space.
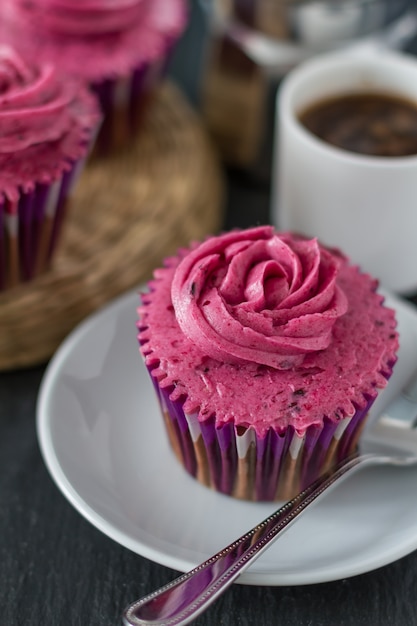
47, 126
119, 47
266, 351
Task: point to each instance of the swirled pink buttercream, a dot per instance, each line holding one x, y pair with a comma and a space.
256, 296
85, 17
33, 104
96, 40
47, 124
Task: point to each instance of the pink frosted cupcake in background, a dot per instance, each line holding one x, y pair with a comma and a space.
47, 127
119, 47
266, 351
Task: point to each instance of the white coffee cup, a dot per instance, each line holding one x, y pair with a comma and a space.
364, 205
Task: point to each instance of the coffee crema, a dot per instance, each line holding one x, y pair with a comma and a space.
373, 123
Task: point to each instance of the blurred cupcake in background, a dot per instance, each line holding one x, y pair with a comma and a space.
47, 127
119, 47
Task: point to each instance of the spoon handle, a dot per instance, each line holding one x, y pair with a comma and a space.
186, 597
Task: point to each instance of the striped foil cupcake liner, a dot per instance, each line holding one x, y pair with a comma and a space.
124, 102
236, 462
30, 228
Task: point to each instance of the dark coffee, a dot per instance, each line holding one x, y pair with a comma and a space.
367, 123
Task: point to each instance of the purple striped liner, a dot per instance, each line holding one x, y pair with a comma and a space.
31, 227
124, 101
235, 461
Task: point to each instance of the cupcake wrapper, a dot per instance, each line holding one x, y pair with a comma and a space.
124, 101
236, 462
30, 228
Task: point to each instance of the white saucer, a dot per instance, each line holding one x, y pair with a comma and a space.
103, 442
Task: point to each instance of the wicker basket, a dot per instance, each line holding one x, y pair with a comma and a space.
128, 212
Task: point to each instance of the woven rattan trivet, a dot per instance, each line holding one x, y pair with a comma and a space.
128, 212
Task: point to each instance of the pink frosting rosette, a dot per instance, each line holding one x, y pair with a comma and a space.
34, 105
85, 17
95, 39
256, 296
46, 123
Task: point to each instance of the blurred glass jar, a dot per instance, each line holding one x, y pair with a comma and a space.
253, 43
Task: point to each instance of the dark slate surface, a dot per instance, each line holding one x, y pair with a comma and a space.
56, 569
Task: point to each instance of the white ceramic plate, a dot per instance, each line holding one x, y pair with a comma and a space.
103, 442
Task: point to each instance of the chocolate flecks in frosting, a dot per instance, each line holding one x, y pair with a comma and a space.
299, 392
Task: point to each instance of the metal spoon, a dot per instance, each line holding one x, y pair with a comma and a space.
182, 600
